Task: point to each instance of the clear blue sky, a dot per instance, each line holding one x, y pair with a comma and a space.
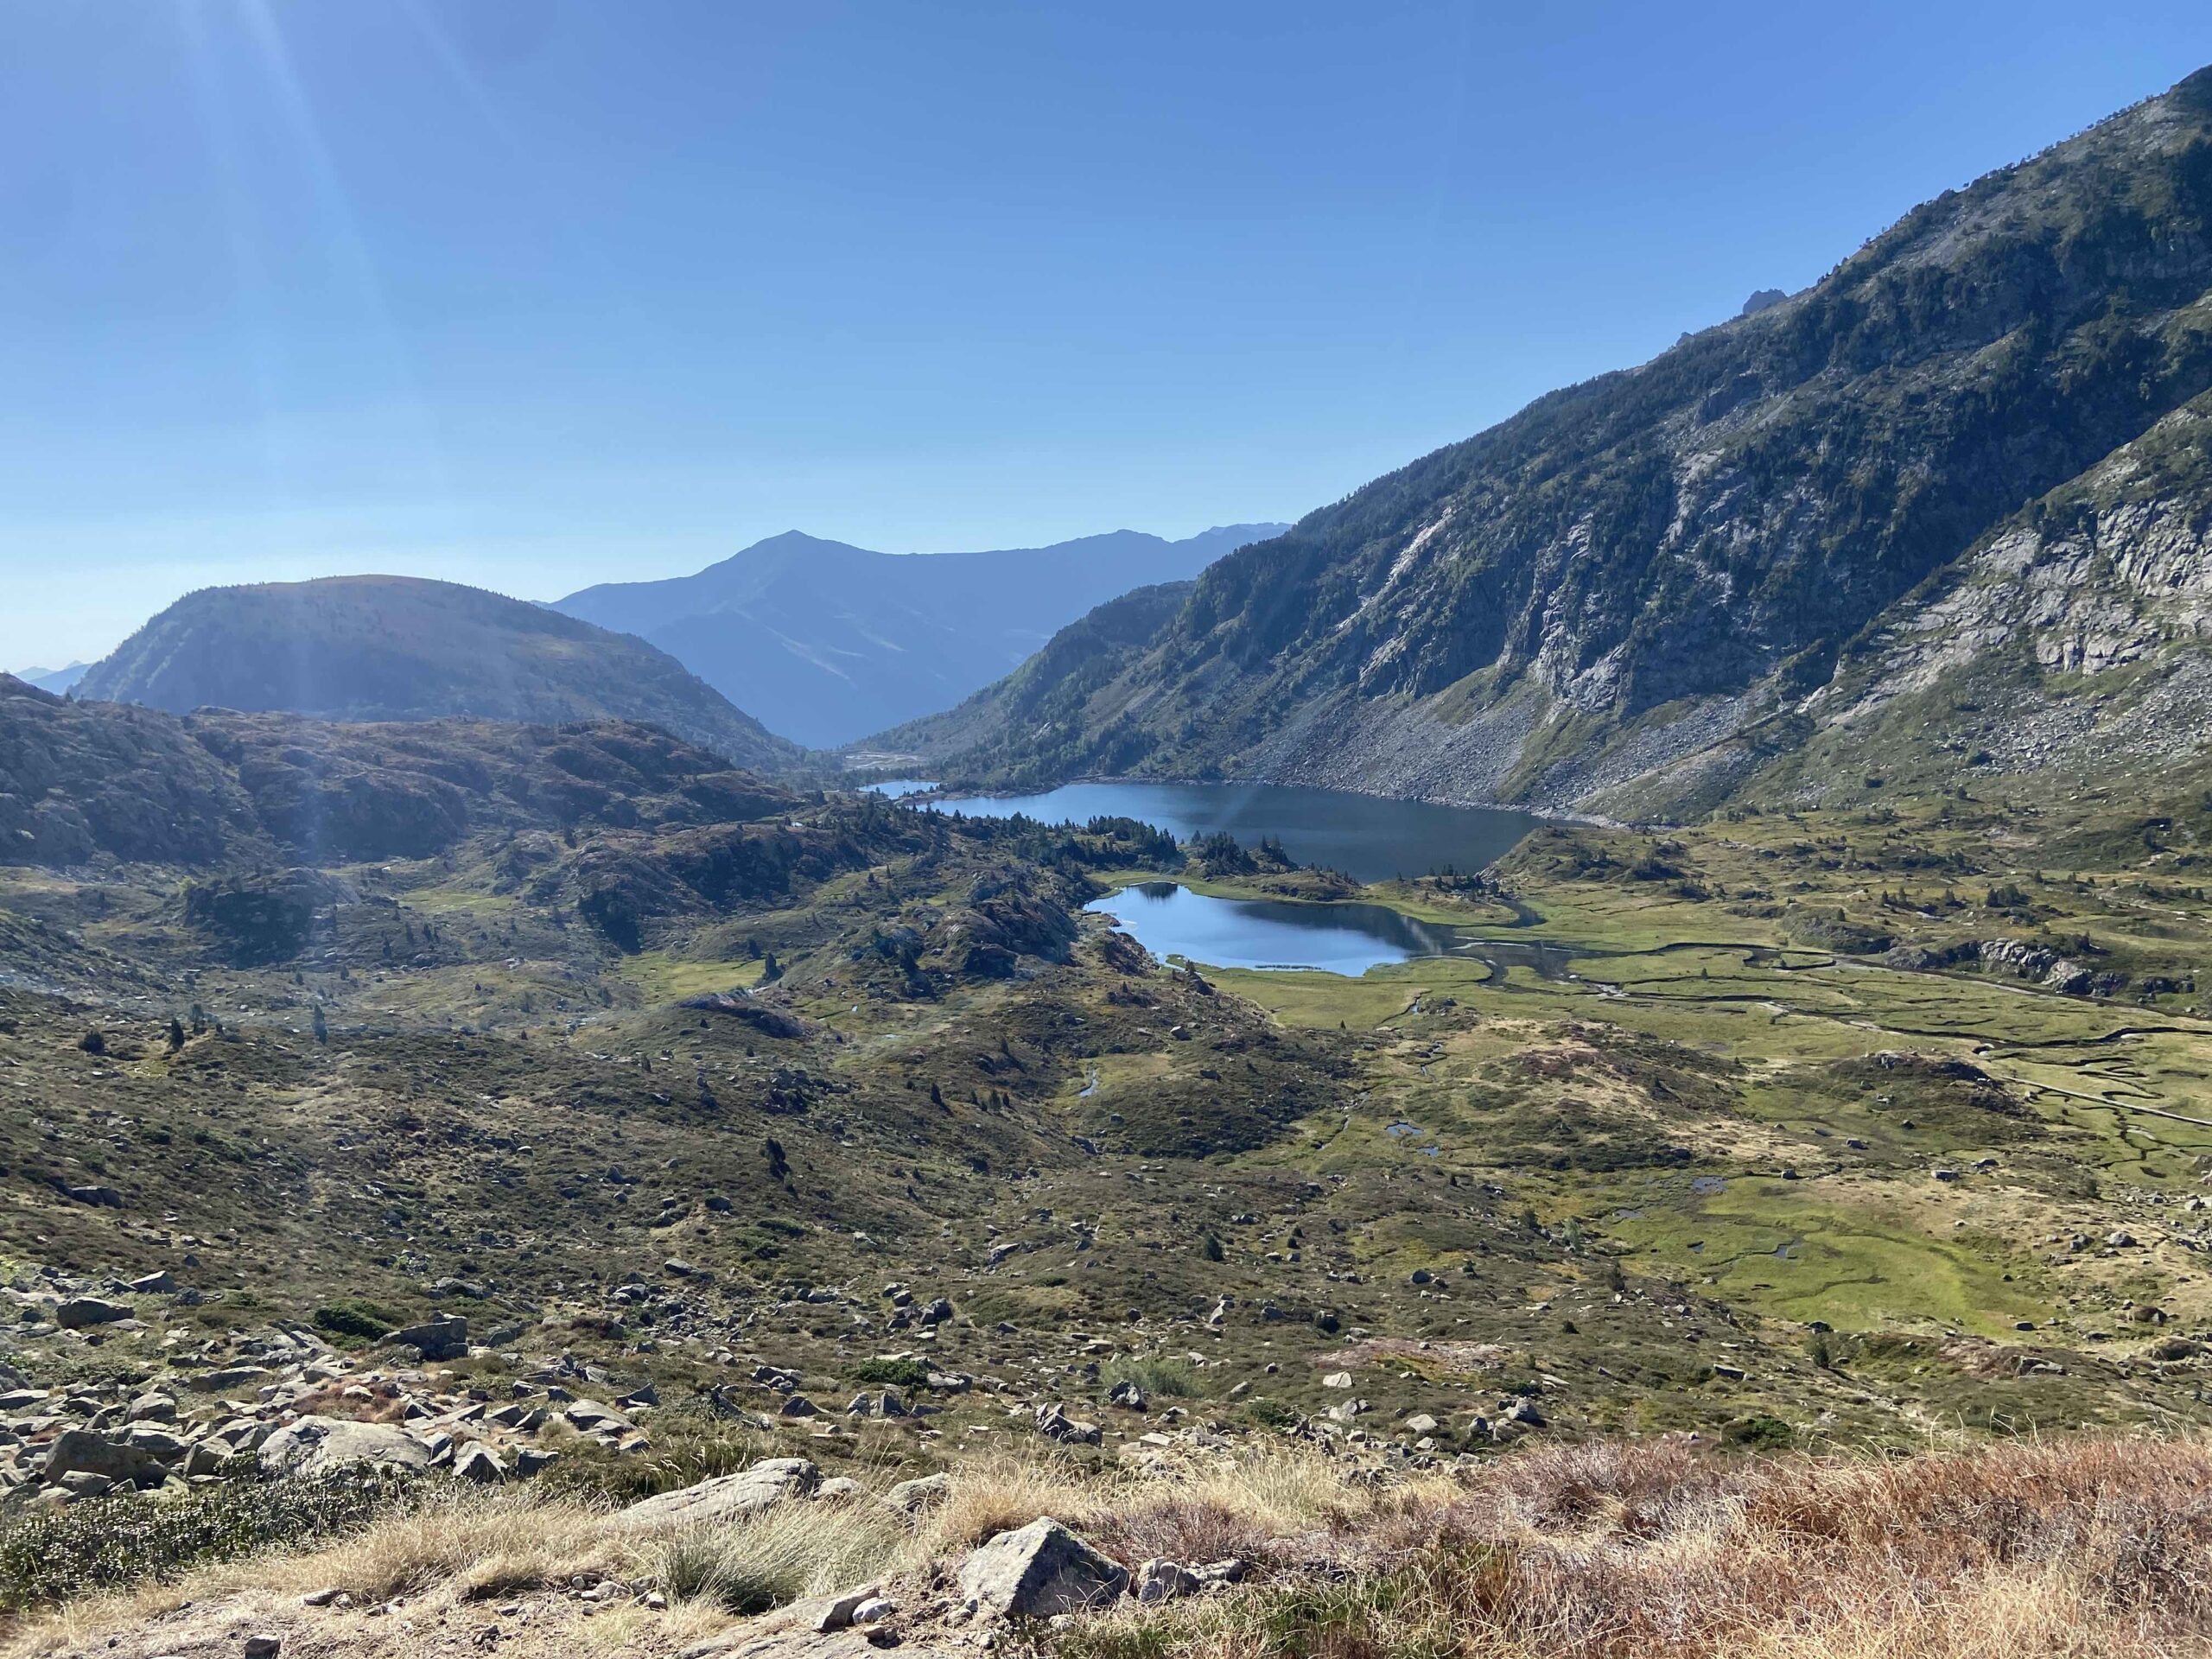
533, 293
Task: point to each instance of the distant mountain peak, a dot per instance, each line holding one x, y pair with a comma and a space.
830, 642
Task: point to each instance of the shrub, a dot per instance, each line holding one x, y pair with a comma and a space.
350, 1316
892, 1373
111, 1543
1173, 1379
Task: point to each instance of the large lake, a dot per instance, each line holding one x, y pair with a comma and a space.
1336, 939
1364, 835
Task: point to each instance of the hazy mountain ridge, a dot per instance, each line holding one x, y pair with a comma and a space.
827, 642
1629, 571
56, 680
395, 648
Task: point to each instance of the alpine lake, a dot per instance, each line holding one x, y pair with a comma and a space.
1368, 837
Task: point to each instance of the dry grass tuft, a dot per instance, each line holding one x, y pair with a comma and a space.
770, 1560
1632, 1550
1611, 1550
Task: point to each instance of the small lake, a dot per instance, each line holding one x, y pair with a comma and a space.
1366, 837
1170, 920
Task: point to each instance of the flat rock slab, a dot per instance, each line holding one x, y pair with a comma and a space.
315, 1444
726, 1497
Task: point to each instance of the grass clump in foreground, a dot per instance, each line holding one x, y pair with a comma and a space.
1613, 1549
770, 1560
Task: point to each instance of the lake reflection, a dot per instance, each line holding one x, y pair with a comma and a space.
1171, 920
1368, 837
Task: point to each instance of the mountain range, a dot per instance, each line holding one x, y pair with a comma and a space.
400, 648
825, 642
56, 680
1970, 463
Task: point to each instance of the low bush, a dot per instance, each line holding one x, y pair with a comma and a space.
352, 1317
110, 1542
892, 1373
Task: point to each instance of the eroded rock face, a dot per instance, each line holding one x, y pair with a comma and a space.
314, 1445
728, 1498
1039, 1571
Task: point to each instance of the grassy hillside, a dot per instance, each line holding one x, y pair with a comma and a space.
394, 648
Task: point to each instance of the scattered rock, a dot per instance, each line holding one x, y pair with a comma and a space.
79, 1450
1038, 1572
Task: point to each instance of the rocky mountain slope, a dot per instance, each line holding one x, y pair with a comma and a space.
82, 780
829, 642
1052, 687
1574, 605
397, 648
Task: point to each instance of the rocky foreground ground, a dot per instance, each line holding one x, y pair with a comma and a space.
2096, 1546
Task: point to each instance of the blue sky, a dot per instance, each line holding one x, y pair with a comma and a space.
534, 293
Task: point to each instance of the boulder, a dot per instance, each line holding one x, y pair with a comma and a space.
442, 1336
1039, 1572
479, 1463
726, 1497
314, 1445
80, 1451
78, 1312
926, 1492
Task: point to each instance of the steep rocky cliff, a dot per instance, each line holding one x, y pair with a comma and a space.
1605, 590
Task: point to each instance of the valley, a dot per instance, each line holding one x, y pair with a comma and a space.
1602, 1048
721, 1119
